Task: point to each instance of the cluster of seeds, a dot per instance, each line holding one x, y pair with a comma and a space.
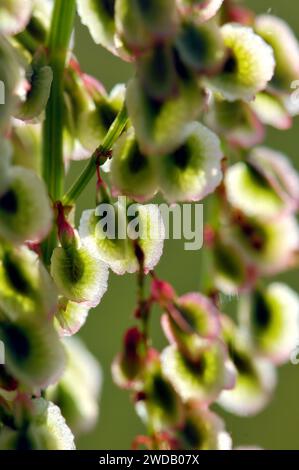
210, 76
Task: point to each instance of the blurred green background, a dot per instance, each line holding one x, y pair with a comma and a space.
275, 428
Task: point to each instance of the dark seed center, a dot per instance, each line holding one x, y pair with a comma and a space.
261, 311
230, 65
16, 341
9, 202
137, 161
15, 276
107, 114
145, 5
241, 361
163, 394
181, 157
109, 7
192, 435
74, 267
196, 367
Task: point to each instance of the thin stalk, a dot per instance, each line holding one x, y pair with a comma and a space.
206, 283
144, 305
53, 165
99, 156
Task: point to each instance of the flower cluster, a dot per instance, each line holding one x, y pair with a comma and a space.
39, 304
210, 76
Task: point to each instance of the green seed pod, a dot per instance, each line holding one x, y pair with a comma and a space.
117, 95
249, 66
77, 97
193, 170
128, 366
26, 142
157, 72
34, 103
272, 110
203, 10
14, 15
25, 212
260, 242
133, 173
34, 354
270, 319
99, 18
281, 38
249, 190
46, 430
38, 26
236, 122
201, 380
231, 274
10, 76
147, 226
94, 123
142, 24
160, 126
70, 317
158, 405
77, 392
192, 319
115, 245
204, 430
255, 377
79, 274
201, 47
26, 287
112, 249
49, 429
282, 175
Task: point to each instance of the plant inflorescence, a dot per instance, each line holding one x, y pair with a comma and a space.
210, 76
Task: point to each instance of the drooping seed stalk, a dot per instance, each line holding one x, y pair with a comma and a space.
99, 156
53, 165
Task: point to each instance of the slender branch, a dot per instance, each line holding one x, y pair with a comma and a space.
58, 42
205, 262
99, 156
53, 165
143, 303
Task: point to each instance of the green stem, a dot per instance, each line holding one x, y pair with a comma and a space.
58, 42
206, 283
53, 165
102, 151
142, 302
